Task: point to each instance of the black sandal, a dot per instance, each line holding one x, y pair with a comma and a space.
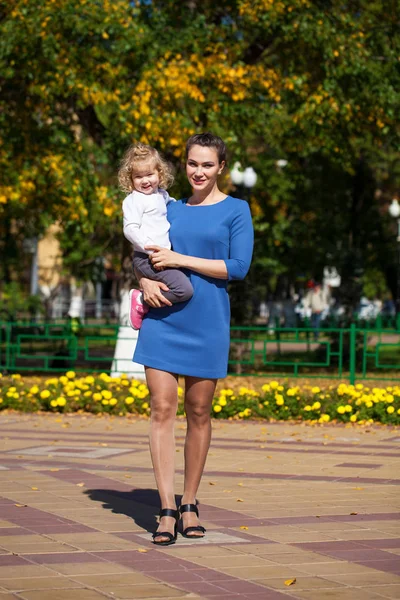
191, 508
167, 512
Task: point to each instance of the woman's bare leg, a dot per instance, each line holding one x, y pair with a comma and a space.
163, 387
199, 394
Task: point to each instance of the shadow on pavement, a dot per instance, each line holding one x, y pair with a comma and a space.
142, 506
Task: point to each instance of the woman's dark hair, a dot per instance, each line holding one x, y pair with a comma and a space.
207, 140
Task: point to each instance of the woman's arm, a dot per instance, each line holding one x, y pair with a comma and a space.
241, 241
162, 258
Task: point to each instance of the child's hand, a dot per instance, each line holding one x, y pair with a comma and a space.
162, 258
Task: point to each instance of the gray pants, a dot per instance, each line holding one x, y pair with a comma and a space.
180, 288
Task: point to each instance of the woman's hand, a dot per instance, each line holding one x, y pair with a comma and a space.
152, 292
162, 258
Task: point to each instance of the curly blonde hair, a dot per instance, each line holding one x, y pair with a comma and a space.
140, 154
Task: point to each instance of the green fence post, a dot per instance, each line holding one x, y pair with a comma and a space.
353, 334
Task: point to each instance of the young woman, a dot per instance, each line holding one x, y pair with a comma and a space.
212, 239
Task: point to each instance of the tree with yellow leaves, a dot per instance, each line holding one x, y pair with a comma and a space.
314, 83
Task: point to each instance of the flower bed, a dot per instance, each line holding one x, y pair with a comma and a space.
102, 394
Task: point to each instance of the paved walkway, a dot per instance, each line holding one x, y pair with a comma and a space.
315, 505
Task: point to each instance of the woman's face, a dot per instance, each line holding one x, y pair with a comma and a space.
203, 167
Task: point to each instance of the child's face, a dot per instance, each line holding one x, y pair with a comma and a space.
146, 179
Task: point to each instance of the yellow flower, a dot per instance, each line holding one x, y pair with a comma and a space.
61, 401
44, 394
217, 408
89, 379
325, 418
96, 396
145, 405
307, 407
266, 403
129, 400
87, 394
113, 401
369, 404
34, 389
316, 405
389, 398
353, 418
348, 408
279, 399
105, 402
280, 388
106, 394
390, 409
70, 374
63, 379
125, 382
291, 392
315, 390
53, 403
222, 402
104, 377
341, 410
266, 387
273, 384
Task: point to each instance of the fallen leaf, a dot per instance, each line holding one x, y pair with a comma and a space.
358, 488
104, 444
290, 581
269, 456
34, 488
240, 469
239, 500
240, 484
354, 513
317, 516
54, 470
243, 527
80, 484
142, 550
228, 491
211, 483
128, 476
20, 505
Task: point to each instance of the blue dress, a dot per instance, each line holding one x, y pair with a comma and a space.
192, 338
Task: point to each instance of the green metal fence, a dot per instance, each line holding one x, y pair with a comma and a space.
335, 353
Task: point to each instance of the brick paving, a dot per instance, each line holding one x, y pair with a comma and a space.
318, 505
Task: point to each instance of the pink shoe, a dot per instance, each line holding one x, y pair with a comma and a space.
137, 309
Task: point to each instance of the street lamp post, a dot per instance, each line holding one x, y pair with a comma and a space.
245, 179
31, 245
394, 211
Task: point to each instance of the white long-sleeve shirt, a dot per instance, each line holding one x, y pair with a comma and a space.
145, 220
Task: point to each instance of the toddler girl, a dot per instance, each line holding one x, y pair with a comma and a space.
145, 175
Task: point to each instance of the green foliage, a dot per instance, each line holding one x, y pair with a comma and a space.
15, 304
315, 83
